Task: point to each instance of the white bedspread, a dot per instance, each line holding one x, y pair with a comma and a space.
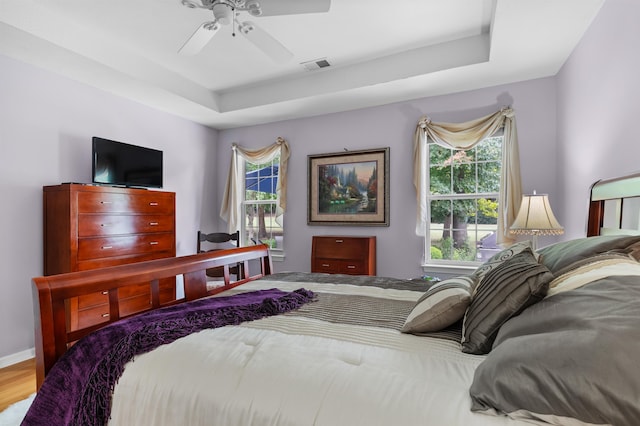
291, 370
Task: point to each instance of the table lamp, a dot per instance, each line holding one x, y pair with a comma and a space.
535, 217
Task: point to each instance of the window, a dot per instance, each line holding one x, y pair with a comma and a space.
465, 187
462, 198
255, 197
259, 222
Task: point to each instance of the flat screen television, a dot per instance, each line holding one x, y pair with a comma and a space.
122, 164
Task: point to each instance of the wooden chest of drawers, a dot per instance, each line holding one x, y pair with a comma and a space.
88, 227
336, 254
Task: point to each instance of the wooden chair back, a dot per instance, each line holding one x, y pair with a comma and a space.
217, 241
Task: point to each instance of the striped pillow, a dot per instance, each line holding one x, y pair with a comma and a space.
504, 292
442, 305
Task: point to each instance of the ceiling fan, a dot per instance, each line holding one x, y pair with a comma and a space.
226, 12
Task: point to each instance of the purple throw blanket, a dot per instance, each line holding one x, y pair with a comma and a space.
78, 389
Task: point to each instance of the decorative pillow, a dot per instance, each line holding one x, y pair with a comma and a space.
559, 257
498, 258
600, 266
442, 305
504, 292
570, 359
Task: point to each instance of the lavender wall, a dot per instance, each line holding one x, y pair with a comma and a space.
598, 109
46, 125
46, 122
399, 249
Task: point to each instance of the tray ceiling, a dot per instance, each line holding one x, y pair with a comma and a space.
379, 52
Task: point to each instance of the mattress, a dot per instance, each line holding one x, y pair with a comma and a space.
301, 369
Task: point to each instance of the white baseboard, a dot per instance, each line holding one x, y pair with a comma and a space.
8, 360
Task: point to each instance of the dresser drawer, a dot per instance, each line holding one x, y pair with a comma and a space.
112, 224
152, 202
91, 316
340, 247
113, 261
134, 291
135, 304
97, 248
100, 313
91, 309
88, 227
337, 254
336, 266
94, 299
167, 290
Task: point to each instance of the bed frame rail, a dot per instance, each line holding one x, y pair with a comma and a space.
51, 293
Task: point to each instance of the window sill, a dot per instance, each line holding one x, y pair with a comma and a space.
435, 269
278, 257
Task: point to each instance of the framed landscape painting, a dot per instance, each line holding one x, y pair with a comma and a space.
349, 188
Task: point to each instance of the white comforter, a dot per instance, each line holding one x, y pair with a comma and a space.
290, 370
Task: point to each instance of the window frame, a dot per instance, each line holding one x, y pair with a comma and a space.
277, 252
451, 265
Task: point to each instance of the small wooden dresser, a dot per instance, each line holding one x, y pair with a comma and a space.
337, 254
88, 227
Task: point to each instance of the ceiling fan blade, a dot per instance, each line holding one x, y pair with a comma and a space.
199, 38
265, 42
293, 7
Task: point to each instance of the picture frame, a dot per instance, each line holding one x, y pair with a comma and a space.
349, 188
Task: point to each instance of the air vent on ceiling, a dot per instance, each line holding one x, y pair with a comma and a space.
316, 64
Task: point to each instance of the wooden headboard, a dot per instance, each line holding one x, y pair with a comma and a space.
614, 207
52, 293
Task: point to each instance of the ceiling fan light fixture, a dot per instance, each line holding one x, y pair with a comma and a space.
253, 7
223, 13
211, 26
189, 4
245, 27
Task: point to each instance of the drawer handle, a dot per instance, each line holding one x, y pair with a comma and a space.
105, 315
153, 223
339, 241
106, 202
153, 243
351, 267
153, 204
325, 265
105, 292
106, 247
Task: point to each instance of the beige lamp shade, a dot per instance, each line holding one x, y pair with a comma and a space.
535, 217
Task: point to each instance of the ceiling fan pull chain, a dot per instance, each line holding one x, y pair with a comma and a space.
233, 25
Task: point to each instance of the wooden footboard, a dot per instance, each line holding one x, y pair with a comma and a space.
52, 293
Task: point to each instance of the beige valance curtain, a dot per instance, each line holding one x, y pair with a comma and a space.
231, 210
466, 136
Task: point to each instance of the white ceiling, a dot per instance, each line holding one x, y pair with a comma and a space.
381, 51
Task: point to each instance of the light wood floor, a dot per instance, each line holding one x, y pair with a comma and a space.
17, 382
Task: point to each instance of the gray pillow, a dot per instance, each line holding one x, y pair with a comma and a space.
571, 356
559, 257
442, 305
503, 293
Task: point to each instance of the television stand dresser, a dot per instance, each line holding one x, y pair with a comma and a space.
338, 254
88, 227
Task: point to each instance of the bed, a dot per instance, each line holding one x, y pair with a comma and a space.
546, 337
